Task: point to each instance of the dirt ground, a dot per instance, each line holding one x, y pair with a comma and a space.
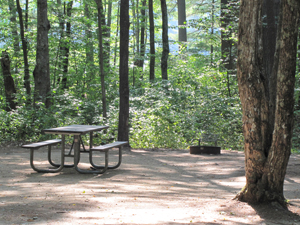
150, 187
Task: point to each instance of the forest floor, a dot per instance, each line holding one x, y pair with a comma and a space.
150, 187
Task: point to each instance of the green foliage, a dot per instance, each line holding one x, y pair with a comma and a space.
173, 114
168, 114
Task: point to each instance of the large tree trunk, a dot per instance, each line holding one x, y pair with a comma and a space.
152, 43
165, 53
123, 129
25, 57
101, 57
9, 84
41, 72
266, 162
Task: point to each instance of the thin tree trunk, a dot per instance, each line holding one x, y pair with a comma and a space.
137, 32
61, 45
26, 16
123, 129
142, 43
182, 36
25, 57
89, 51
165, 53
116, 42
109, 10
101, 57
41, 72
66, 46
14, 31
229, 13
212, 31
152, 43
9, 84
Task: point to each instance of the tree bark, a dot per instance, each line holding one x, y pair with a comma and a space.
9, 84
270, 21
165, 53
15, 35
66, 47
89, 50
117, 34
25, 55
136, 30
123, 129
41, 72
212, 30
152, 41
101, 57
140, 62
182, 37
229, 26
266, 162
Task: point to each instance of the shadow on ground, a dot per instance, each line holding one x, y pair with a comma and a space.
150, 187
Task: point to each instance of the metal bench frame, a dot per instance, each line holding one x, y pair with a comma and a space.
102, 148
49, 143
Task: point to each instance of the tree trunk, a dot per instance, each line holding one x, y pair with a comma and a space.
59, 59
66, 47
136, 31
117, 33
123, 129
266, 162
15, 35
101, 57
165, 53
212, 31
41, 72
182, 37
25, 56
109, 10
89, 50
152, 43
141, 56
229, 15
9, 84
270, 21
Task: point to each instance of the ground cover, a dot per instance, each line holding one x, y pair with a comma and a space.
152, 186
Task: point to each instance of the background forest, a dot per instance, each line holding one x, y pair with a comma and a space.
199, 93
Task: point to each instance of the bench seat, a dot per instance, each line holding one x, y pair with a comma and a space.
109, 146
105, 148
49, 143
42, 144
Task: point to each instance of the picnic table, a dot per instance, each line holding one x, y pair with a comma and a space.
76, 131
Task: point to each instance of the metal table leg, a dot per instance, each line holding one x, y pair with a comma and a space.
63, 149
77, 159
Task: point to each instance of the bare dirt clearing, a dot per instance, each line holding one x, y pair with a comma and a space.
150, 187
